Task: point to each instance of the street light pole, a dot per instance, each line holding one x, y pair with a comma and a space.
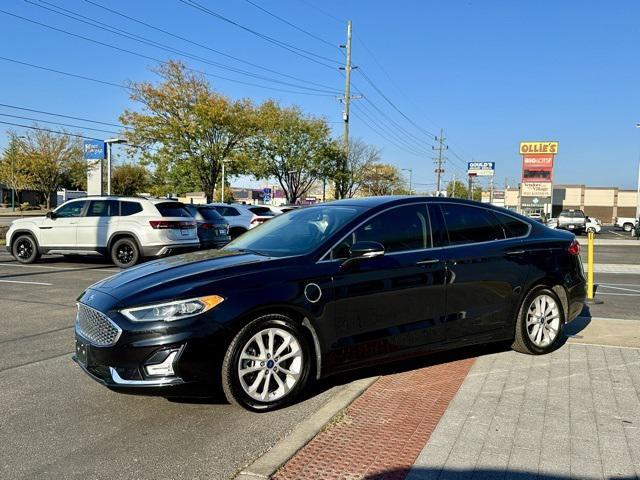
638, 186
410, 179
109, 142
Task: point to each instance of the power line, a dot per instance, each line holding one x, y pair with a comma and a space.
61, 115
74, 75
291, 48
380, 132
292, 25
30, 127
201, 45
158, 60
324, 12
168, 48
38, 120
381, 93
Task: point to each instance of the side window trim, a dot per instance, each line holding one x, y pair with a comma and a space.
326, 257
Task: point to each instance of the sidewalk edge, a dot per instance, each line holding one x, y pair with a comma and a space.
268, 463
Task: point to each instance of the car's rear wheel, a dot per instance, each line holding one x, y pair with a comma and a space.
540, 322
267, 364
125, 252
25, 249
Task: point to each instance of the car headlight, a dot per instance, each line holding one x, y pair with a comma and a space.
171, 311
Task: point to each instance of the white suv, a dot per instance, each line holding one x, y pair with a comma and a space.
242, 217
125, 229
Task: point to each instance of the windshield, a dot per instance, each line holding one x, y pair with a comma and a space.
296, 232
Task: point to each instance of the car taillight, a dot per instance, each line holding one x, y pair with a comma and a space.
257, 221
171, 224
574, 248
207, 226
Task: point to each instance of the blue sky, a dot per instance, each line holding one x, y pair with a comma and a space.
491, 73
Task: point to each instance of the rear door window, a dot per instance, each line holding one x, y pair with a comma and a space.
103, 208
130, 208
467, 224
172, 209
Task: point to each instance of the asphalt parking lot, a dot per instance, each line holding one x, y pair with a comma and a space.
57, 423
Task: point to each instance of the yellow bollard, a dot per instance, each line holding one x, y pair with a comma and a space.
590, 239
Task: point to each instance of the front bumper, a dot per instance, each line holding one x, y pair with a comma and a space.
124, 364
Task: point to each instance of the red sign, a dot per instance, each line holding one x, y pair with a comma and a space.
537, 168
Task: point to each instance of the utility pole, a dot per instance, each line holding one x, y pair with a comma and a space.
491, 191
440, 148
453, 187
470, 192
346, 100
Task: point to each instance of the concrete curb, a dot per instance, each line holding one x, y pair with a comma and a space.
267, 464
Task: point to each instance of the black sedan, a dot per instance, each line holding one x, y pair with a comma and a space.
213, 228
329, 288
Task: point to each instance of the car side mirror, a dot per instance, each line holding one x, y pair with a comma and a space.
52, 215
363, 250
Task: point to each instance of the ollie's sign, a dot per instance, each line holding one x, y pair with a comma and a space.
538, 148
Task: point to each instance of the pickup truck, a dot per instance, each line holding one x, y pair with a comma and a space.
572, 220
625, 223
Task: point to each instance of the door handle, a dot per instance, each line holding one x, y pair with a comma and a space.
428, 261
516, 252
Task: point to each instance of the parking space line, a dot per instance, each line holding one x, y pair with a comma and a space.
615, 233
619, 288
99, 269
26, 283
623, 294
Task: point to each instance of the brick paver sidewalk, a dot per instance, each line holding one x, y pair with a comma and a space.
381, 434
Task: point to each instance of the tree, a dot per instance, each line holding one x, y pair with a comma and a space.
383, 179
294, 148
184, 126
12, 166
129, 179
48, 159
458, 189
360, 160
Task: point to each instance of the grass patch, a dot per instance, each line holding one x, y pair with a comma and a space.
340, 417
3, 242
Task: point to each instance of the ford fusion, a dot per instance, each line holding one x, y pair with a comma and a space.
328, 288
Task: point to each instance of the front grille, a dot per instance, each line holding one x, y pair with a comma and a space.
96, 327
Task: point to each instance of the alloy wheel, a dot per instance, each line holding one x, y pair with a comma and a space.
24, 249
124, 254
543, 320
270, 364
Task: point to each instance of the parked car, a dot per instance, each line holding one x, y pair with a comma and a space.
329, 288
625, 223
125, 229
242, 218
593, 224
572, 220
213, 229
552, 222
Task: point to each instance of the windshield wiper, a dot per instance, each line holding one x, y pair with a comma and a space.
248, 250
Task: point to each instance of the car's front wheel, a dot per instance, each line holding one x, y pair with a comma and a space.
25, 249
627, 227
267, 364
125, 252
540, 322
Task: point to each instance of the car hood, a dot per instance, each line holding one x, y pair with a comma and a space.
28, 221
178, 276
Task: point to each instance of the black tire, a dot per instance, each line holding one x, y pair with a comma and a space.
523, 342
591, 230
231, 383
125, 252
627, 227
25, 249
236, 232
